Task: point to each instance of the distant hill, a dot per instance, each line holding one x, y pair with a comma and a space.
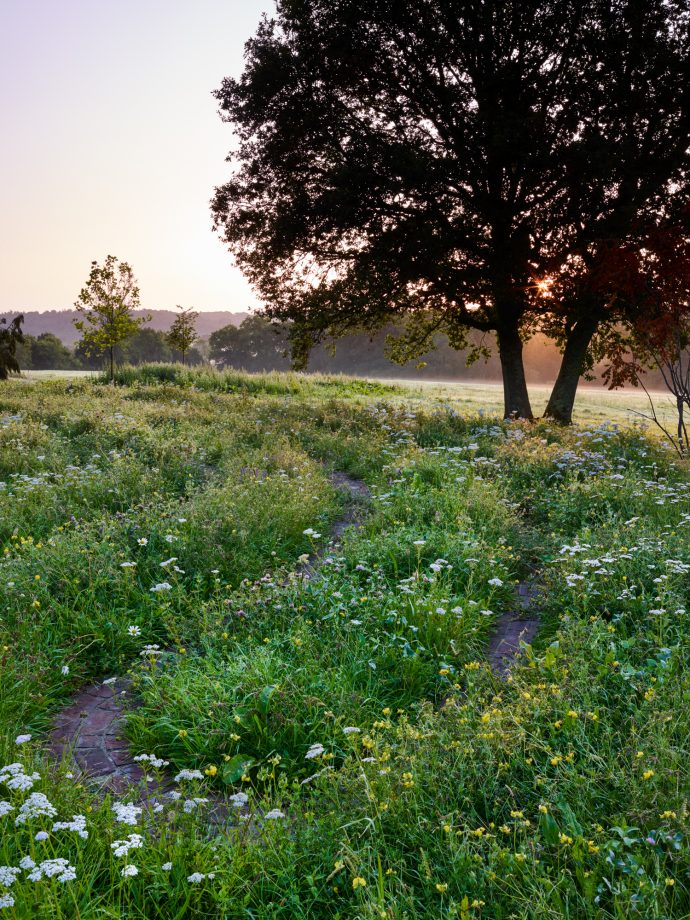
60, 322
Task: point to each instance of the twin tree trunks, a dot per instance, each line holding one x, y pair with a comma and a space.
562, 399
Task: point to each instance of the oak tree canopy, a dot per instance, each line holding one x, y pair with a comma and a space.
443, 160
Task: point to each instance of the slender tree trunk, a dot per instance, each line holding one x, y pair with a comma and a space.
681, 423
516, 402
562, 399
112, 364
183, 358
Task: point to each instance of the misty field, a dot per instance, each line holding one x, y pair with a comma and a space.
292, 586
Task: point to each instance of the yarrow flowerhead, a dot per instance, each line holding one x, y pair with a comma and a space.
126, 814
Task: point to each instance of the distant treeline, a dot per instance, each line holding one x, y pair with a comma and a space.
48, 352
61, 322
258, 345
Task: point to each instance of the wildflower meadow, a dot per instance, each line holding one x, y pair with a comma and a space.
289, 586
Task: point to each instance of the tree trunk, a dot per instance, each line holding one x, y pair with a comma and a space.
516, 402
562, 399
112, 367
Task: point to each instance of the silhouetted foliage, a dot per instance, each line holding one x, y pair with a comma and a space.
10, 337
438, 160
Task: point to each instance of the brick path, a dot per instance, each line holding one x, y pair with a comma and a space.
512, 628
90, 727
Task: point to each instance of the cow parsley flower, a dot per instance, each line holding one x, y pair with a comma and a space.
273, 814
129, 871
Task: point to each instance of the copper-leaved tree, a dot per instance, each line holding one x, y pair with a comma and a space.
106, 303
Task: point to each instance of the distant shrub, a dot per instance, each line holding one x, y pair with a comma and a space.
272, 383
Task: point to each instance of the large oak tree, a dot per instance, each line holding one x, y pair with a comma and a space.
438, 159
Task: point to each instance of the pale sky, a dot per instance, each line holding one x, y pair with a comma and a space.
111, 143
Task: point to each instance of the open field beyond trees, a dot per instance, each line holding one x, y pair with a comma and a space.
322, 733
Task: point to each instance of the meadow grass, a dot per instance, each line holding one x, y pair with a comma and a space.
372, 764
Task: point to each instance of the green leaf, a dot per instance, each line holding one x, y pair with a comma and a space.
549, 829
235, 768
265, 699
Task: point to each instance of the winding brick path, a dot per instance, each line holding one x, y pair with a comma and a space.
90, 727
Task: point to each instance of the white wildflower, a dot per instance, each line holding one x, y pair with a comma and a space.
239, 799
129, 871
41, 835
6, 900
188, 774
5, 808
273, 815
166, 867
126, 814
8, 875
161, 586
122, 847
155, 762
53, 868
36, 806
77, 824
22, 739
191, 804
351, 730
134, 630
64, 670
